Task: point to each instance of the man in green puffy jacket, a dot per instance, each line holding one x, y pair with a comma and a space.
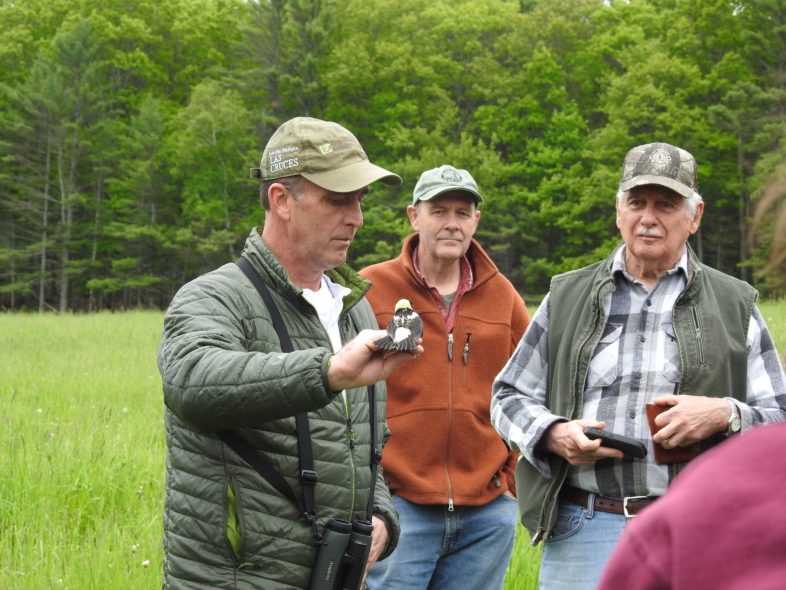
225, 525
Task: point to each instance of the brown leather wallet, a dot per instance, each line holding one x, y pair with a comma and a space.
663, 455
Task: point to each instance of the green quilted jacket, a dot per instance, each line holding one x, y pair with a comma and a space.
220, 360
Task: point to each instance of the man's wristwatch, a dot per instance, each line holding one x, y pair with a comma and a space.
735, 422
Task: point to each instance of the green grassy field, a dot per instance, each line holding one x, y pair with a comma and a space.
82, 466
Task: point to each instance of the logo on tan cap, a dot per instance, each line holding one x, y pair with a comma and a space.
322, 152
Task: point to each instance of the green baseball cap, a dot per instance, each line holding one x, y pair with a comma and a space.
436, 181
662, 164
322, 152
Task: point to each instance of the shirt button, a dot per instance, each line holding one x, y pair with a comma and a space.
649, 302
637, 376
632, 414
642, 338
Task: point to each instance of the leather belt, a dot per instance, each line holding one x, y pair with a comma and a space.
629, 506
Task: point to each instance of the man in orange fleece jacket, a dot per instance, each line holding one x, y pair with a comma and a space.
451, 474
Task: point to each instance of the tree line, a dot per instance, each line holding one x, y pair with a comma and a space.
127, 129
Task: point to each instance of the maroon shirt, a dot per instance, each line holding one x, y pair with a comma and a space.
721, 525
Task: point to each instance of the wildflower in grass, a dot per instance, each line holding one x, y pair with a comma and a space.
133, 548
146, 563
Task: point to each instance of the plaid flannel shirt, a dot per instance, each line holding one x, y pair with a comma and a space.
636, 361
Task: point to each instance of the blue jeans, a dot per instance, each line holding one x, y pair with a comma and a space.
466, 549
582, 542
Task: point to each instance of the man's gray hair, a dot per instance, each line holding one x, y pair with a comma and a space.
294, 184
691, 202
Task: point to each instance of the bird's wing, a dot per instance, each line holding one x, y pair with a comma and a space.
385, 343
416, 327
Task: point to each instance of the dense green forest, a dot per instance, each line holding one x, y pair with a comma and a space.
127, 129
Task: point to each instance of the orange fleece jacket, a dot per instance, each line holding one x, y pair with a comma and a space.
443, 447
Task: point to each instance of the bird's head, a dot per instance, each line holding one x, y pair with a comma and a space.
403, 304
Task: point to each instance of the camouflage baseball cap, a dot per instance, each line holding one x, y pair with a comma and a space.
323, 152
662, 164
440, 180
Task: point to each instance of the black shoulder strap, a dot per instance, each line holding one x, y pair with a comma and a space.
272, 308
262, 465
376, 454
308, 476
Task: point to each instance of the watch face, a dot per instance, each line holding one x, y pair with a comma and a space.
735, 423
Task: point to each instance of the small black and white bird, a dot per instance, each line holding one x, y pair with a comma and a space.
404, 328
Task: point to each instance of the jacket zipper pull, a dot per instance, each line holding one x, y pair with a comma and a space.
450, 504
465, 354
697, 332
450, 346
536, 538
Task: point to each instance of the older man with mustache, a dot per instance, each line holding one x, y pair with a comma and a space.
649, 330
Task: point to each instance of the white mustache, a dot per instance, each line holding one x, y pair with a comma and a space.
650, 232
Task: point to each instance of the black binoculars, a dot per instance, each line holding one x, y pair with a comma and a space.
342, 556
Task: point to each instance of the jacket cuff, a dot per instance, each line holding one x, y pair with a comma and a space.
326, 360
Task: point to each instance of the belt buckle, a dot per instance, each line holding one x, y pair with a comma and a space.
625, 504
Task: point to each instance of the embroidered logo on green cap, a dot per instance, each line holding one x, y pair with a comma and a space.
450, 175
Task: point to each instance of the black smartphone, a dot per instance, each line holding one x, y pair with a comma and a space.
631, 447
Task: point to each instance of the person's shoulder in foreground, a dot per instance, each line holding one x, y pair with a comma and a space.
721, 525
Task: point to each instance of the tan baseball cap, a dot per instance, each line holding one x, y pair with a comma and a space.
662, 164
322, 152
